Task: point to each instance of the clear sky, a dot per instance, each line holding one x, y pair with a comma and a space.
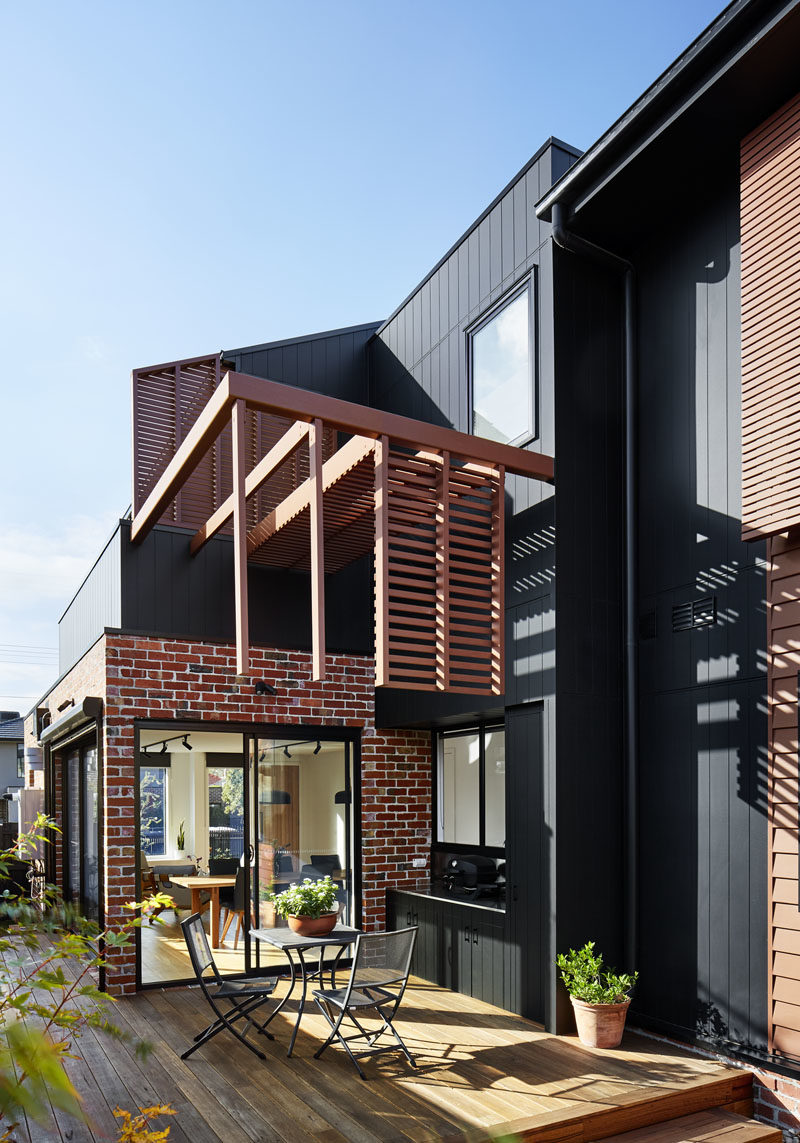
185, 176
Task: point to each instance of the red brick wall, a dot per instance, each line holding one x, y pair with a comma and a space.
148, 678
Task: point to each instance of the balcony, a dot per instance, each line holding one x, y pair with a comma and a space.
309, 482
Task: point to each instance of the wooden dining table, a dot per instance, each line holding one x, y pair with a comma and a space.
197, 885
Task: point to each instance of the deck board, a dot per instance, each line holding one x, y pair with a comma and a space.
481, 1072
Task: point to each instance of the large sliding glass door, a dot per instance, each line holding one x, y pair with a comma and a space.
302, 823
260, 812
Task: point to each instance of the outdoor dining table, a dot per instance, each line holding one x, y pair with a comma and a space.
198, 885
290, 942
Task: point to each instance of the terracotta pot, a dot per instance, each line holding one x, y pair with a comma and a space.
600, 1025
312, 926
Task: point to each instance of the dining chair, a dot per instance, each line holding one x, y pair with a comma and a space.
378, 979
230, 1000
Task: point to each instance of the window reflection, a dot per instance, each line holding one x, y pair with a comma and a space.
501, 373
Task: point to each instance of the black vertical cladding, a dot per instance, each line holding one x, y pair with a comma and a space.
528, 861
333, 362
702, 765
418, 368
586, 819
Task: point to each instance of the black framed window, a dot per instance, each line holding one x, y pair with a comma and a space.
471, 787
501, 369
20, 760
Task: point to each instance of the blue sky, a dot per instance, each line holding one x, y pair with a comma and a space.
182, 177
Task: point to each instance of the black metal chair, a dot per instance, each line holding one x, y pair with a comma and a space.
236, 906
378, 979
230, 1000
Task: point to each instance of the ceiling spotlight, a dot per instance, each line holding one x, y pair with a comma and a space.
163, 749
186, 742
286, 751
318, 747
263, 688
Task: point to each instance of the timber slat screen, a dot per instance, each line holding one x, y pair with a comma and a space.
770, 225
430, 513
167, 400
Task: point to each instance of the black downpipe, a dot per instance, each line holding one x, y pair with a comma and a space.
581, 246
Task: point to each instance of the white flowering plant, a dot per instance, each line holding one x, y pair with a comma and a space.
310, 898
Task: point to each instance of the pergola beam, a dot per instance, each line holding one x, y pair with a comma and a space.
317, 552
304, 405
280, 452
347, 457
240, 539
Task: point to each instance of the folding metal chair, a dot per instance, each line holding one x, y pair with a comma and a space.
230, 1000
381, 964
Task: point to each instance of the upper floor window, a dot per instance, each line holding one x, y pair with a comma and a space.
501, 371
20, 760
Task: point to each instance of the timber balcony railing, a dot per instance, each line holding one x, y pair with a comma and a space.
216, 450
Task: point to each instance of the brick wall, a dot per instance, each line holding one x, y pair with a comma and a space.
148, 678
776, 1100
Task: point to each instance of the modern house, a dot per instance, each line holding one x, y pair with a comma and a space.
491, 608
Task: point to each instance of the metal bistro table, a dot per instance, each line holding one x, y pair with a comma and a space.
289, 942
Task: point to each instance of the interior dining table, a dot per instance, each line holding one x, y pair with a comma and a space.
198, 885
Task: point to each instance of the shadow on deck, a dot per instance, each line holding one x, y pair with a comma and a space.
482, 1074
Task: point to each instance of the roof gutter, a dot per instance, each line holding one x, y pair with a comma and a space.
574, 244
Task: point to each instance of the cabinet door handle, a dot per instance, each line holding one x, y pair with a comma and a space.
416, 919
408, 917
466, 934
450, 954
474, 936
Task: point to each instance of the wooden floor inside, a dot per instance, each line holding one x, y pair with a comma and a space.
482, 1074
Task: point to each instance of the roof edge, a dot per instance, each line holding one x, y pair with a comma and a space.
720, 37
552, 141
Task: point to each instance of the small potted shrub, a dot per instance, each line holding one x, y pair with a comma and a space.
600, 997
310, 907
180, 840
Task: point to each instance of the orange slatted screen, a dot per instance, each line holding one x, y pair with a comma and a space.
166, 402
439, 597
770, 226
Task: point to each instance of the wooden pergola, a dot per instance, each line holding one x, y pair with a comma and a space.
216, 449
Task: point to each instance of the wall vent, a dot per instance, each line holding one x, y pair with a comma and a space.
697, 613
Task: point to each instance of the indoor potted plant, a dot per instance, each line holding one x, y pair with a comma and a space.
600, 997
180, 840
310, 907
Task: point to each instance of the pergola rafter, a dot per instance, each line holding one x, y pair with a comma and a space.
426, 501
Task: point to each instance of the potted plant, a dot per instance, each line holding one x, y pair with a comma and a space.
180, 841
600, 997
310, 907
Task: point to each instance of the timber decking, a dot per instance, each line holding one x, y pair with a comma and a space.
482, 1073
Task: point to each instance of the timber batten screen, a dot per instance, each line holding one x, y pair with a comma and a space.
426, 502
770, 231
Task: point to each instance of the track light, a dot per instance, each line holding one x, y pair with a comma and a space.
286, 751
186, 745
163, 749
318, 747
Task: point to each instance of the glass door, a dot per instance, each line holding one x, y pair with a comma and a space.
301, 825
81, 840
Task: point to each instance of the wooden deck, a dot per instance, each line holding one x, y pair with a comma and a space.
482, 1074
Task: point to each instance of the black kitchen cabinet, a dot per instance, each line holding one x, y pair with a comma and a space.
458, 946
